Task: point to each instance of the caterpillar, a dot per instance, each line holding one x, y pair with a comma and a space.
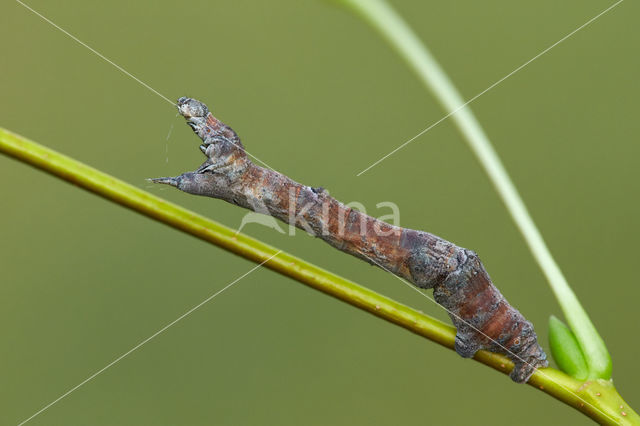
482, 316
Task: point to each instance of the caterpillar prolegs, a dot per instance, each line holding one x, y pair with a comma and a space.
482, 316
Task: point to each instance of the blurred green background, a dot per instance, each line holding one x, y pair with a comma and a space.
318, 95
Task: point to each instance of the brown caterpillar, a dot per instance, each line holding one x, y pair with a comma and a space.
482, 316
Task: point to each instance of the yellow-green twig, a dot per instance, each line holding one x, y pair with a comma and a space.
603, 408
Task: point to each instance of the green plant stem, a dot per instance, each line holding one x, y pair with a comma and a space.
401, 37
551, 381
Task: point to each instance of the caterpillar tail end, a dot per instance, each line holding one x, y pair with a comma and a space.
527, 362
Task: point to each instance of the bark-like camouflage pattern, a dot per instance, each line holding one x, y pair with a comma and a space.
482, 316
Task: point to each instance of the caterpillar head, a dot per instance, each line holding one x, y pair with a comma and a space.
191, 108
196, 113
